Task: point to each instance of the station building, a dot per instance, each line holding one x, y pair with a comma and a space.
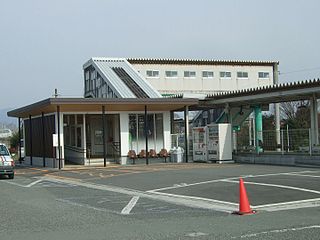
128, 104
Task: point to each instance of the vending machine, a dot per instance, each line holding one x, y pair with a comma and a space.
219, 142
199, 136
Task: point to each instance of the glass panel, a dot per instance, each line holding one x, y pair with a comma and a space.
79, 137
72, 136
79, 119
151, 140
141, 136
133, 132
159, 132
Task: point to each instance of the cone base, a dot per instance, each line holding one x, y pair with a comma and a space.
245, 213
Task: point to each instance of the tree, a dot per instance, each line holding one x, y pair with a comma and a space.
14, 140
296, 114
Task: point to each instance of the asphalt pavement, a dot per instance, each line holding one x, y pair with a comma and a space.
160, 201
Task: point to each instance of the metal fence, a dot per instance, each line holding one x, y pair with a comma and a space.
286, 141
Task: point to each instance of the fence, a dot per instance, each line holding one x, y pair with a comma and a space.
289, 141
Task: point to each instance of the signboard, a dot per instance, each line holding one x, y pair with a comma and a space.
55, 142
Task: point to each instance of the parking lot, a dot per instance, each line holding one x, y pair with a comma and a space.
187, 194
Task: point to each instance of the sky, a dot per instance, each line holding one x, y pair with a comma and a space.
44, 43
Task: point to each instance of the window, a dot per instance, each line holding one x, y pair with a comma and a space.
225, 74
242, 74
263, 75
153, 73
189, 74
207, 74
171, 74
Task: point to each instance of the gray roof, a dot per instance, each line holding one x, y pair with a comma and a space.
199, 61
104, 67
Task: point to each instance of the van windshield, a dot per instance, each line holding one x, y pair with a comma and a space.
4, 151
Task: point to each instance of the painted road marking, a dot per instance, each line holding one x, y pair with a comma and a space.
25, 186
127, 209
303, 175
277, 231
224, 179
275, 185
193, 202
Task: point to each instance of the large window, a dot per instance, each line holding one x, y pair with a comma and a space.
72, 128
172, 74
154, 132
152, 73
225, 74
263, 75
189, 74
242, 74
207, 74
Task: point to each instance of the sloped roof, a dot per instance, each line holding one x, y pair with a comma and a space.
107, 69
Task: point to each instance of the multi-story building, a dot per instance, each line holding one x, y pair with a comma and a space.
172, 76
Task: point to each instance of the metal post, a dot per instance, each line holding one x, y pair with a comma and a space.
103, 136
310, 143
59, 143
186, 130
43, 141
146, 132
20, 159
30, 137
258, 126
282, 144
288, 140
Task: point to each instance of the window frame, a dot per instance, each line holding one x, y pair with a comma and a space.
225, 77
241, 73
207, 77
171, 72
184, 74
263, 77
152, 73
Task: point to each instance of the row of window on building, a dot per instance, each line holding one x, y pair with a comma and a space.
205, 74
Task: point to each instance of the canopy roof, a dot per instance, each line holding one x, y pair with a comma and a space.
95, 105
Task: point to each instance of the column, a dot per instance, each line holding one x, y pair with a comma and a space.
186, 130
258, 126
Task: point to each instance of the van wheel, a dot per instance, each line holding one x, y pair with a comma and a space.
11, 176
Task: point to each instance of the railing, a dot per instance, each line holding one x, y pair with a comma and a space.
285, 141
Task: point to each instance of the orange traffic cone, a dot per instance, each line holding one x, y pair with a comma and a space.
244, 205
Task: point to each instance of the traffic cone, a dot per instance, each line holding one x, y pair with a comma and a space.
244, 205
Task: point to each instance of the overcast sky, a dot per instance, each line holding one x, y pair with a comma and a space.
43, 44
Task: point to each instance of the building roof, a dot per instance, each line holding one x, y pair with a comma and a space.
285, 92
199, 61
124, 80
94, 105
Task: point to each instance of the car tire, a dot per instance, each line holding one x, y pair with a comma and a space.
11, 176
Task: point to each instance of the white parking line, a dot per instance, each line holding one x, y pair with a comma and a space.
277, 231
26, 186
224, 179
275, 185
302, 175
127, 209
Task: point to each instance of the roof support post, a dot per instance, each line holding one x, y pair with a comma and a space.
43, 141
314, 121
146, 132
277, 107
258, 126
104, 136
186, 130
30, 138
59, 140
19, 125
277, 123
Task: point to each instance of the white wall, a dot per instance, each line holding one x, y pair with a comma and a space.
206, 85
166, 130
124, 133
